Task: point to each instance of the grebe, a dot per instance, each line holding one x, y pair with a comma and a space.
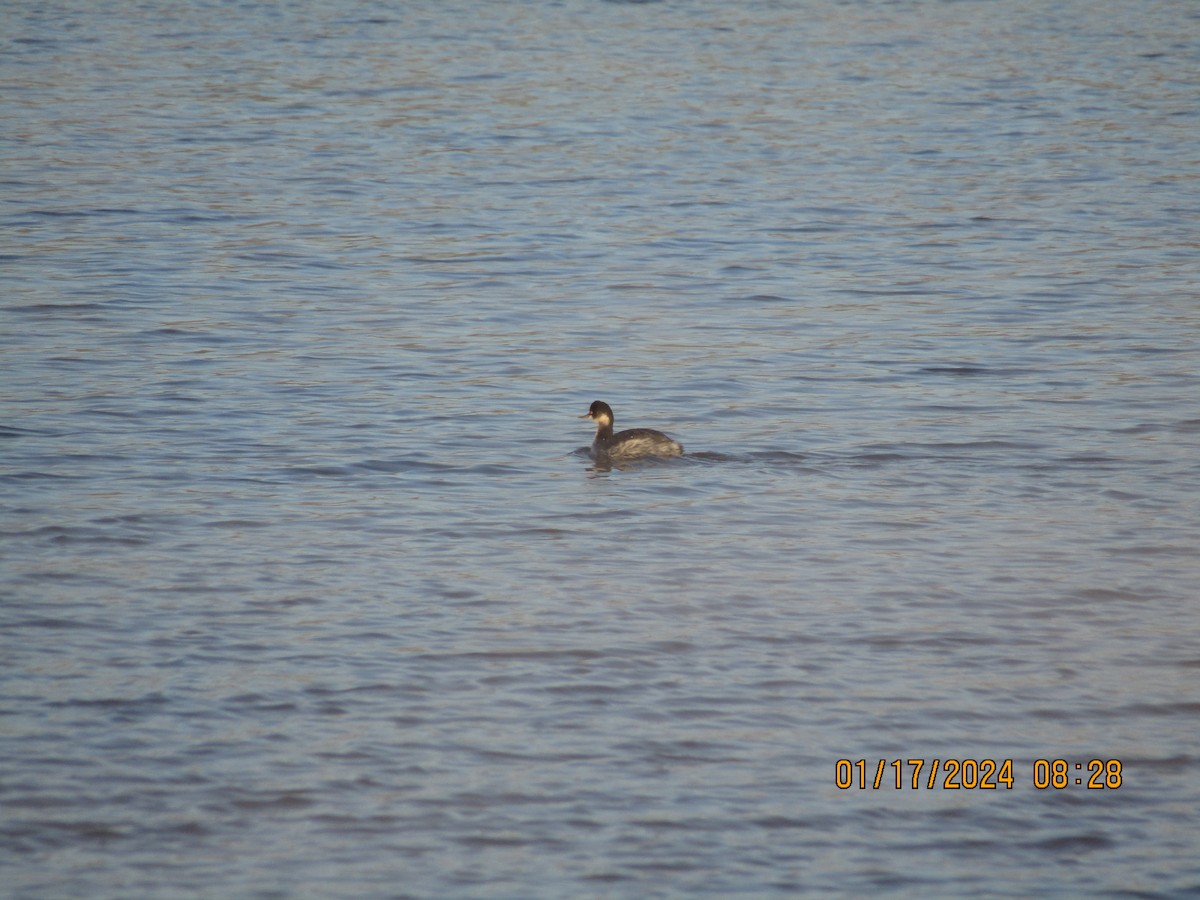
631, 444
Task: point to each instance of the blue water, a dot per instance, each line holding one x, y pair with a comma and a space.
308, 588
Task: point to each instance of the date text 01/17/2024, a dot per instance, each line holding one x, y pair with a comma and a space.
975, 774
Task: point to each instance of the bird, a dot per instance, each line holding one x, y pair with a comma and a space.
634, 443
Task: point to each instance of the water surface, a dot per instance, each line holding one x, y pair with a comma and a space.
308, 590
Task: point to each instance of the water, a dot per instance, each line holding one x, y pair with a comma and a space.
309, 590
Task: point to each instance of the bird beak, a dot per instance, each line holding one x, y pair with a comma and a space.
586, 415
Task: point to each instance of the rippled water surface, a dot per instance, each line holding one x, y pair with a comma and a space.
310, 590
